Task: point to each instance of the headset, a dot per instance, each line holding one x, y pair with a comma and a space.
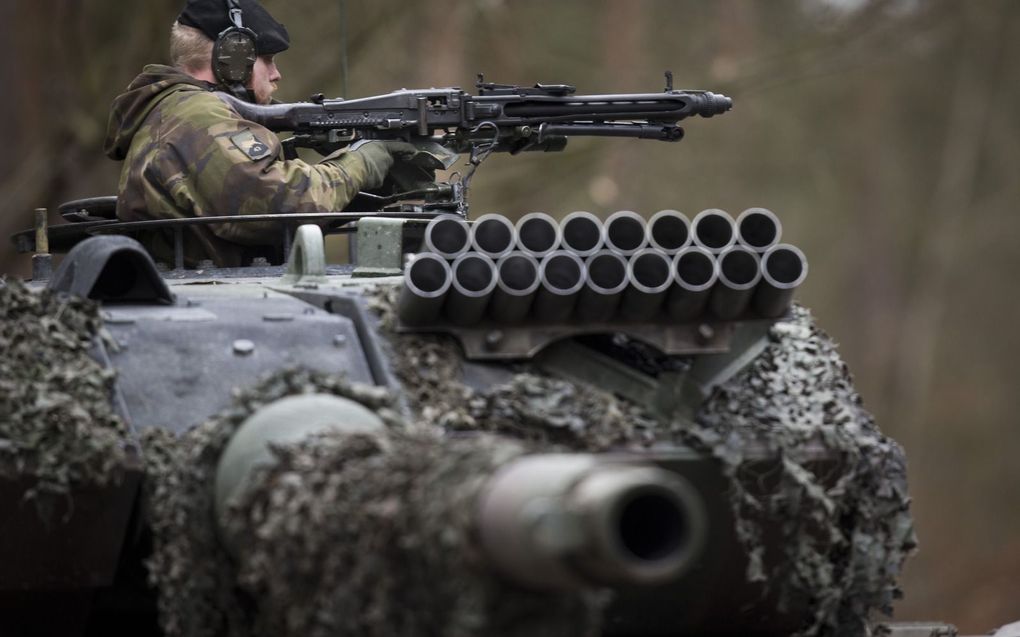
234, 53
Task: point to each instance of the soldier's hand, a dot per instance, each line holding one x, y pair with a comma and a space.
382, 157
399, 150
378, 159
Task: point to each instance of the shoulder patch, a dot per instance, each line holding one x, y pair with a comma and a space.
250, 145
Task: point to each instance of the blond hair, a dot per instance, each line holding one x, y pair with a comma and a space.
190, 49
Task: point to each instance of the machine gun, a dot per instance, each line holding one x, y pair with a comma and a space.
448, 122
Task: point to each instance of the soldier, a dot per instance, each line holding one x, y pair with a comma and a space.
188, 154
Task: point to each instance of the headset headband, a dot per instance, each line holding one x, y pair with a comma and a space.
235, 13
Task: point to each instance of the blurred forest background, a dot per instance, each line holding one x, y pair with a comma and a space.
885, 134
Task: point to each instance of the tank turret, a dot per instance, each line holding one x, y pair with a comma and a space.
571, 424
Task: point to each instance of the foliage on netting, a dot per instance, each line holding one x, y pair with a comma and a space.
846, 529
840, 495
56, 421
341, 535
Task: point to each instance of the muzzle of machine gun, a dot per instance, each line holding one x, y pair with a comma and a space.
708, 104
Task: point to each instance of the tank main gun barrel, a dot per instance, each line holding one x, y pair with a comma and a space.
551, 522
560, 521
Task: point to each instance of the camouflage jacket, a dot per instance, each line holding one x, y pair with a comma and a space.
188, 154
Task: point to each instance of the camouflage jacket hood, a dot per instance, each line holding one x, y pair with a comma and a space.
132, 107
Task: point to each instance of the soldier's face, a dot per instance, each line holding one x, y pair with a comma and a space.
264, 77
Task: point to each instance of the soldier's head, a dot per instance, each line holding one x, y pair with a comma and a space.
194, 35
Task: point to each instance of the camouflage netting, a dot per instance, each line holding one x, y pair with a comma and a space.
845, 535
548, 413
344, 535
353, 536
56, 422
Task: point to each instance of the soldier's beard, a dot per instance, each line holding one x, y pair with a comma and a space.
264, 93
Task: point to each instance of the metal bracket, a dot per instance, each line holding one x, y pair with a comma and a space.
495, 341
572, 360
676, 393
306, 264
747, 343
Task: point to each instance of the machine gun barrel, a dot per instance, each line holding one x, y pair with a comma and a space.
674, 105
511, 119
663, 132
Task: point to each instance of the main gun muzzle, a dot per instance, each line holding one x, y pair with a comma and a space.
564, 521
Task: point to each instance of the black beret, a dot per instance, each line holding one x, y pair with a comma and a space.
210, 17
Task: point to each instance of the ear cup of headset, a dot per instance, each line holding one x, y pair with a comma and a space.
234, 56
